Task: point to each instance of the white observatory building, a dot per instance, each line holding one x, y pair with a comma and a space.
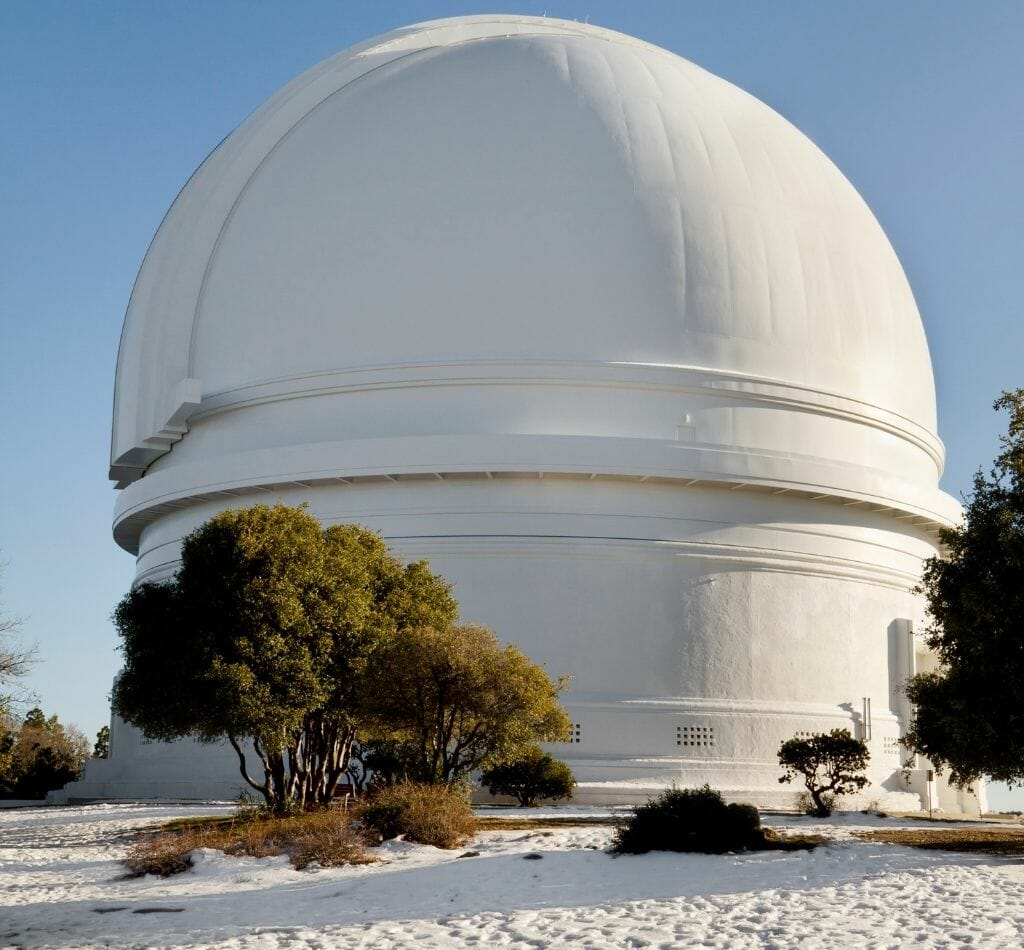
605, 339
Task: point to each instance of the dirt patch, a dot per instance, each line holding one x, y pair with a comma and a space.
969, 840
773, 841
496, 823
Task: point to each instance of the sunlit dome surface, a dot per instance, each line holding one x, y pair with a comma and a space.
507, 188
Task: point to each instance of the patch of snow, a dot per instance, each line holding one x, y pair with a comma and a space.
61, 886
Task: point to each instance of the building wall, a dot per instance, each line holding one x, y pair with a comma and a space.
700, 626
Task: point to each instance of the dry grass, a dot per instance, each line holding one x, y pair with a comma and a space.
431, 815
979, 840
438, 815
162, 853
325, 838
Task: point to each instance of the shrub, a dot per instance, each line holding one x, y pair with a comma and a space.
439, 815
689, 819
327, 838
830, 765
530, 776
323, 837
162, 854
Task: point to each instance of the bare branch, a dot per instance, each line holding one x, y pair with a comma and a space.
15, 659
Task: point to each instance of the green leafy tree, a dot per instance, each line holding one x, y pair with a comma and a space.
263, 637
830, 764
101, 748
8, 737
44, 755
531, 775
380, 763
969, 714
456, 700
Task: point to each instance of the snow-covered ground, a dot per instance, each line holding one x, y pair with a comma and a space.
61, 886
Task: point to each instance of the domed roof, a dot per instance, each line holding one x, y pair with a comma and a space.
503, 188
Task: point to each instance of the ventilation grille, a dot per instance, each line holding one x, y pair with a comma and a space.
574, 732
703, 736
891, 746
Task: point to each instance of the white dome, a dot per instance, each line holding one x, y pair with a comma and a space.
604, 338
514, 189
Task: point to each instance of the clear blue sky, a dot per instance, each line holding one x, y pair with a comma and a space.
107, 108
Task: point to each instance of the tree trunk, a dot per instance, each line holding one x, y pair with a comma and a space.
263, 789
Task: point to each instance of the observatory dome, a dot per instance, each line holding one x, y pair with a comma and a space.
603, 337
499, 190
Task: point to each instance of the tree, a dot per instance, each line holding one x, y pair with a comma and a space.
8, 737
456, 700
44, 755
15, 660
101, 748
531, 775
829, 764
969, 714
264, 635
380, 763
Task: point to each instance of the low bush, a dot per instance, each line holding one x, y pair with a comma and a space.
439, 815
530, 776
690, 819
163, 853
328, 839
324, 837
